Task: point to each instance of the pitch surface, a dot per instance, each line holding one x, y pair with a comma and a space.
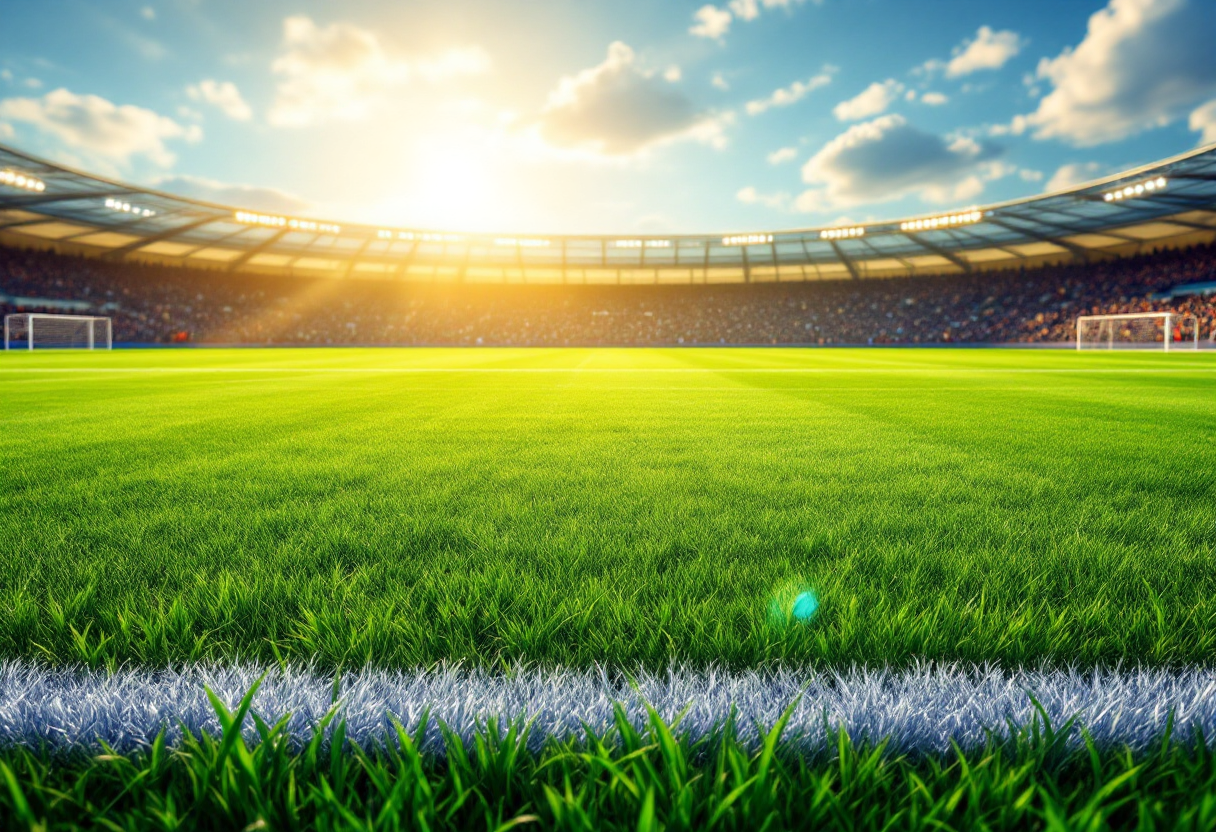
636, 508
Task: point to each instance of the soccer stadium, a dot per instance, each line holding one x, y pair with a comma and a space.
899, 517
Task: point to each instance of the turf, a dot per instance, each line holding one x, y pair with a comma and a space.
648, 779
626, 507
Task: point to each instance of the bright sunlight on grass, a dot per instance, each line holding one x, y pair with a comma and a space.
627, 507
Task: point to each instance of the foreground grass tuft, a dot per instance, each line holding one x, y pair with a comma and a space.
626, 779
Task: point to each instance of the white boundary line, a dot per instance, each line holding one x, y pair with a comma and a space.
921, 709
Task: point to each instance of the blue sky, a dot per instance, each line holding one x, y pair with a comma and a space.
648, 117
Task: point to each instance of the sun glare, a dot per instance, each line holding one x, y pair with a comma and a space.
454, 186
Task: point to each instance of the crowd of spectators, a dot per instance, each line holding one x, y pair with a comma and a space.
164, 304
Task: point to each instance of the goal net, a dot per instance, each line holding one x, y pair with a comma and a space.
57, 332
1139, 331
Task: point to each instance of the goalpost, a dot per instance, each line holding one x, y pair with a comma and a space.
57, 332
1141, 330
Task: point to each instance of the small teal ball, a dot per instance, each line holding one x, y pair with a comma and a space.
805, 606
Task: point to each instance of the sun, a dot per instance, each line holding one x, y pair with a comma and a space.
453, 187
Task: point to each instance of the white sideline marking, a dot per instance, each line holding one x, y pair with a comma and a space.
919, 709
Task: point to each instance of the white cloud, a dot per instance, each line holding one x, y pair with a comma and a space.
1073, 174
29, 83
719, 82
222, 94
711, 22
1028, 175
887, 158
672, 74
342, 72
1203, 121
1142, 64
934, 99
252, 197
750, 9
873, 100
789, 95
618, 108
987, 50
148, 13
750, 196
782, 155
745, 9
714, 22
99, 127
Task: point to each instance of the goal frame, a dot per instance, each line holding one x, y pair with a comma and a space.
31, 317
1167, 319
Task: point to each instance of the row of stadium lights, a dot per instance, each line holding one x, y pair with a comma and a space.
269, 220
423, 236
927, 224
128, 208
21, 180
747, 240
842, 233
32, 183
1139, 189
641, 243
930, 223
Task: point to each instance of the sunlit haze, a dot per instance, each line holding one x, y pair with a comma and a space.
539, 116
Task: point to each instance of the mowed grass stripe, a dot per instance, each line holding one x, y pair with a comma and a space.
358, 517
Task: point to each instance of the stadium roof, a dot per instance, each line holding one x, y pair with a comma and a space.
1172, 202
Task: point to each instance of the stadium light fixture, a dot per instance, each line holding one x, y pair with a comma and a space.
16, 179
1136, 190
128, 208
641, 243
841, 233
272, 221
947, 221
747, 239
250, 218
422, 236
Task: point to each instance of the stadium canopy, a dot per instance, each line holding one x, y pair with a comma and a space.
1169, 203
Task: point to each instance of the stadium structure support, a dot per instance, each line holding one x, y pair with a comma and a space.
1168, 203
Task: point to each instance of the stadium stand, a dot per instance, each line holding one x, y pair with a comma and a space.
168, 304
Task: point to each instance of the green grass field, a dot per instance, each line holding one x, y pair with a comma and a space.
627, 507
636, 780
